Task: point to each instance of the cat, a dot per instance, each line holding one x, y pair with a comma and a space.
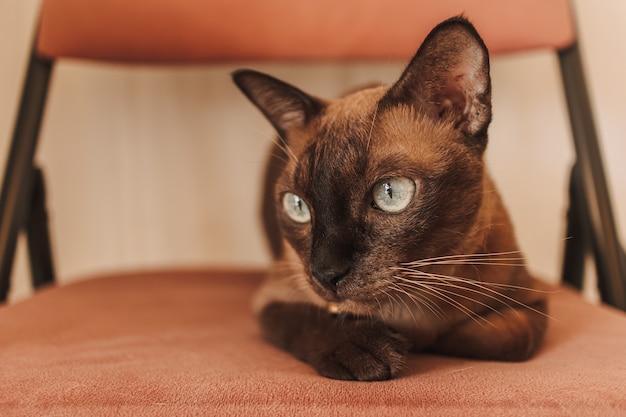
393, 236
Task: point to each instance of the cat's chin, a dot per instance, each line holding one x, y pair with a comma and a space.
349, 300
339, 302
350, 307
336, 305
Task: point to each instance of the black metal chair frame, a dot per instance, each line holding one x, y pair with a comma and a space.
591, 228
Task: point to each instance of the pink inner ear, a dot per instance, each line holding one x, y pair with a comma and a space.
459, 93
450, 101
291, 119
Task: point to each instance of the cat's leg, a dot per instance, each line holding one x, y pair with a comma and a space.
338, 347
512, 334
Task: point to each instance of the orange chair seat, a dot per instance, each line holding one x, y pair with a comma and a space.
185, 343
217, 30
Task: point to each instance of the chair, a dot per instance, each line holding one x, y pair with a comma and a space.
183, 342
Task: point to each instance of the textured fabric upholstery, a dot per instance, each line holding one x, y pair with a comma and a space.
217, 30
186, 343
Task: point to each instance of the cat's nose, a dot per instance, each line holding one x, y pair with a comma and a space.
331, 277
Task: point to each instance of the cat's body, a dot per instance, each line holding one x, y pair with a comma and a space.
393, 235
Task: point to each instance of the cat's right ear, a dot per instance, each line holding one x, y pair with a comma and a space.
284, 105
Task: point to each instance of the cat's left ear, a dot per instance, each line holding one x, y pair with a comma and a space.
449, 78
284, 105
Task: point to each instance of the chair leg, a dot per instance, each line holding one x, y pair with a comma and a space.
38, 236
17, 183
577, 238
608, 253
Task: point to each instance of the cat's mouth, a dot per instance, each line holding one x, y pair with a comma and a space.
352, 295
348, 307
333, 308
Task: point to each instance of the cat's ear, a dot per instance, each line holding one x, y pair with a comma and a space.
449, 78
284, 105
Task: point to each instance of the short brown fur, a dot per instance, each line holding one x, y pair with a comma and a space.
356, 287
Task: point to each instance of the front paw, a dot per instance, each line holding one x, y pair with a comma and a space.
367, 352
348, 348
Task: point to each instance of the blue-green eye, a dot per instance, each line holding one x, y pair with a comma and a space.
296, 208
393, 195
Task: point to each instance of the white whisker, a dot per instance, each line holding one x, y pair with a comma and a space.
485, 287
369, 136
282, 144
421, 302
485, 256
410, 310
420, 274
465, 297
452, 302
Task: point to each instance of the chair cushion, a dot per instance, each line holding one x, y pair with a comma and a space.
200, 30
183, 343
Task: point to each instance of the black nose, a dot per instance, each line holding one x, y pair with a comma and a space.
331, 277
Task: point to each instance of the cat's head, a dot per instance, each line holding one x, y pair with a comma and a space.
384, 175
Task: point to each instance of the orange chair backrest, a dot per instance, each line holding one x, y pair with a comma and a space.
229, 30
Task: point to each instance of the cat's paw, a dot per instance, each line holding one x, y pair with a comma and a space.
369, 352
347, 348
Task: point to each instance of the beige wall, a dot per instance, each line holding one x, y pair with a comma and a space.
160, 167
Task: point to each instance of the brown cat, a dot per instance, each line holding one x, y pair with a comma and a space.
393, 235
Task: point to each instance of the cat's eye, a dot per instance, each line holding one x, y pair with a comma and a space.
296, 208
393, 195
